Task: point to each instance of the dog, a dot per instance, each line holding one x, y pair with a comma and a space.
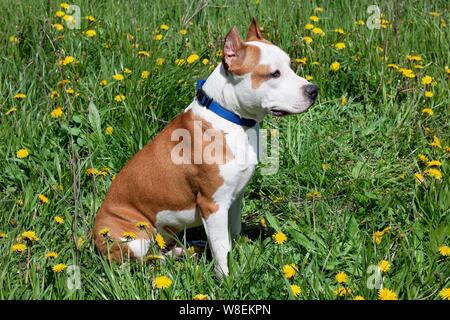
162, 190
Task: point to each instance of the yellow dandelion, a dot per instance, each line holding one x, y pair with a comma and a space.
429, 94
434, 14
183, 32
343, 101
192, 58
58, 220
58, 268
160, 241
10, 111
301, 60
341, 277
3, 235
445, 294
180, 62
309, 77
309, 26
435, 173
119, 98
57, 112
335, 66
386, 294
142, 225
414, 58
359, 22
164, 27
342, 291
339, 46
158, 37
427, 111
66, 61
118, 77
13, 39
434, 163
64, 5
427, 80
318, 31
384, 266
144, 53
80, 242
200, 297
103, 82
51, 255
422, 157
90, 33
90, 18
290, 270
29, 236
263, 223
339, 30
378, 236
145, 74
160, 61
42, 198
419, 177
127, 70
436, 143
296, 290
205, 61
104, 232
18, 247
20, 96
162, 282
359, 298
58, 27
307, 40
129, 235
59, 14
444, 251
109, 130
312, 195
22, 153
279, 238
392, 66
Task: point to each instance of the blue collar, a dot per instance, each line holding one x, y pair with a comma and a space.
210, 104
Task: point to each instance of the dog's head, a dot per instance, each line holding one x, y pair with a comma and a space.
262, 77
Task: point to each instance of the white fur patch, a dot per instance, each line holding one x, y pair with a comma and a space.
139, 247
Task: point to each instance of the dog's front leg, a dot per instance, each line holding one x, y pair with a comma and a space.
216, 228
235, 217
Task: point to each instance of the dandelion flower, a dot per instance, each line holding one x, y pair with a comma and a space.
309, 26
342, 291
58, 26
392, 66
119, 98
22, 153
144, 53
160, 61
58, 220
59, 14
158, 37
104, 232
103, 82
164, 27
279, 238
142, 225
64, 5
90, 18
427, 111
359, 298
435, 173
339, 30
341, 277
263, 223
42, 198
419, 177
51, 255
18, 247
20, 96
10, 111
445, 294
309, 77
343, 101
90, 33
318, 31
312, 195
29, 236
386, 294
183, 32
434, 163
160, 241
205, 61
145, 74
129, 235
109, 130
414, 58
118, 77
436, 143
429, 94
296, 290
162, 282
444, 251
200, 297
301, 60
180, 62
60, 267
57, 112
290, 270
66, 61
378, 236
335, 66
339, 46
3, 235
192, 58
307, 39
127, 70
384, 266
427, 80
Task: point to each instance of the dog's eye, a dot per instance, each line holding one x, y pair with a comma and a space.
275, 74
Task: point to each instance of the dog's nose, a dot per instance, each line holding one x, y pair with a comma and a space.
311, 91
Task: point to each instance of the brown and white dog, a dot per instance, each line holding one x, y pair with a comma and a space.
169, 195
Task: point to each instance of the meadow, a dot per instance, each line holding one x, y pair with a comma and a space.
362, 187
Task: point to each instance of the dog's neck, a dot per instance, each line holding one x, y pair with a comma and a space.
221, 88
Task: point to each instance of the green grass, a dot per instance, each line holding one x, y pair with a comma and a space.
371, 146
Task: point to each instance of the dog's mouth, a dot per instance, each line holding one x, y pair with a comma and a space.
279, 113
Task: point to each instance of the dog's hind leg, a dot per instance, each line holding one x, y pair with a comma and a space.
234, 216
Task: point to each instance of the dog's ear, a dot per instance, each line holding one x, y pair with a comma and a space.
232, 47
254, 34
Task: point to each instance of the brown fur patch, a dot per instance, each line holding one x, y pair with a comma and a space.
260, 74
247, 59
150, 182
